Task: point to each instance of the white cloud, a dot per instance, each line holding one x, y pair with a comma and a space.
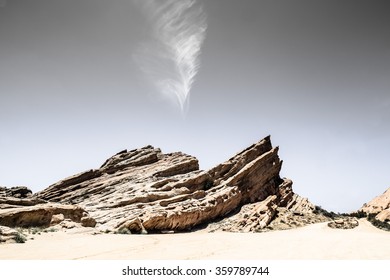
171, 58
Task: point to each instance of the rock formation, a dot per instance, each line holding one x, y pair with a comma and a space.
379, 206
144, 190
344, 223
285, 210
17, 192
20, 209
9, 235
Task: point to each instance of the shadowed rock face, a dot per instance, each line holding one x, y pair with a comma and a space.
379, 206
146, 190
283, 210
17, 192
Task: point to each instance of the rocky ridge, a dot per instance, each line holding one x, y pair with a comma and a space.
144, 190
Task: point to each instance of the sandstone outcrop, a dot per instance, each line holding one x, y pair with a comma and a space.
9, 235
384, 216
144, 190
379, 206
20, 210
285, 210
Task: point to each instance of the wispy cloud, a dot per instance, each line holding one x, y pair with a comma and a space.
171, 58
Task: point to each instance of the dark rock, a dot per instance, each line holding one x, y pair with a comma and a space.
16, 192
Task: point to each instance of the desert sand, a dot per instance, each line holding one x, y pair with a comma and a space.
316, 241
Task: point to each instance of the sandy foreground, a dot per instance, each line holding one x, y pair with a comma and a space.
310, 242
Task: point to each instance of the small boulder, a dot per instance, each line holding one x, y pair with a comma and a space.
56, 219
88, 221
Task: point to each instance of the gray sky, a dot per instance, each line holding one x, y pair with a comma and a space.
313, 74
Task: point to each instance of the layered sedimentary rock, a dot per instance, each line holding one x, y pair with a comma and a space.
18, 192
9, 235
145, 190
379, 206
283, 210
20, 210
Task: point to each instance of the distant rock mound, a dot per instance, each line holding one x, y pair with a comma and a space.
144, 190
379, 206
344, 223
17, 192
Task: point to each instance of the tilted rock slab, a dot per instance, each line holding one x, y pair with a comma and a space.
284, 210
146, 190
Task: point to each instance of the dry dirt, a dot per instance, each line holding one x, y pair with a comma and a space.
311, 242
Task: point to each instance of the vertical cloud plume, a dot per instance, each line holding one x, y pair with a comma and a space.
171, 58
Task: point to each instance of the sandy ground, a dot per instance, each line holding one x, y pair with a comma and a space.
310, 242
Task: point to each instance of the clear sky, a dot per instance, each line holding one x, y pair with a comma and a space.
313, 74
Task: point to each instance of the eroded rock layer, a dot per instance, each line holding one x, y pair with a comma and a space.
9, 235
18, 192
283, 210
26, 211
